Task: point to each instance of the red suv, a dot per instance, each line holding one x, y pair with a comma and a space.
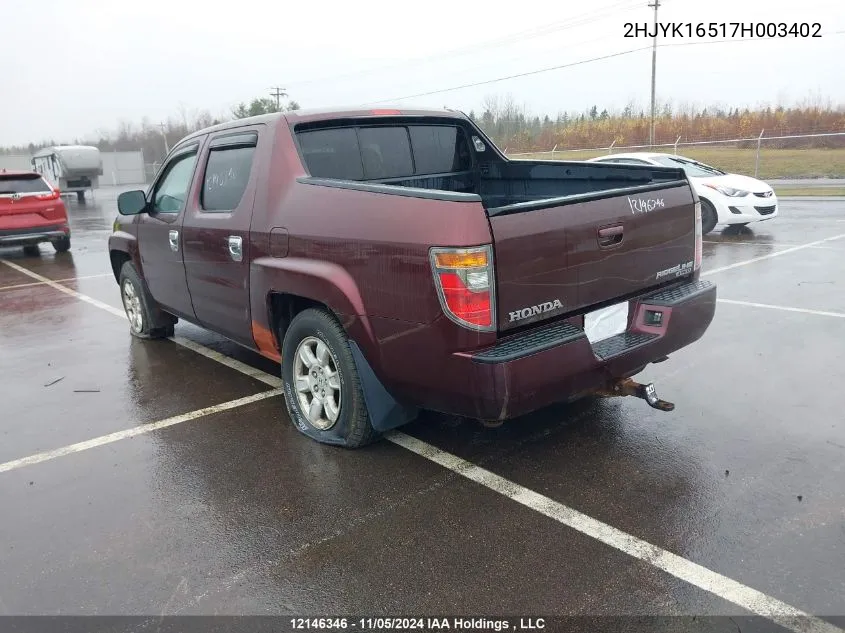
31, 212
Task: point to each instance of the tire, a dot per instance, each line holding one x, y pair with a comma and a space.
341, 416
62, 245
31, 250
146, 319
709, 217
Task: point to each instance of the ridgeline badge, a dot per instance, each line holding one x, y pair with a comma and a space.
678, 271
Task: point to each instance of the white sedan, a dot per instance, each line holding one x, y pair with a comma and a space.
725, 198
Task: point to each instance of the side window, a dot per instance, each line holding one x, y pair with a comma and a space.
172, 189
332, 153
439, 149
385, 152
227, 172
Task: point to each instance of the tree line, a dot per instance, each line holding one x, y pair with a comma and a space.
515, 128
152, 138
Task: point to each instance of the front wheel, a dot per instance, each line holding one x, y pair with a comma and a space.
322, 388
709, 217
146, 320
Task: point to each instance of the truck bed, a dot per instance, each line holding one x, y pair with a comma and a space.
568, 237
531, 184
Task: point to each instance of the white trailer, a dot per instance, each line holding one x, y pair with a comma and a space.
71, 168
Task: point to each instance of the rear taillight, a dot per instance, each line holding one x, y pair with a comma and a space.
53, 195
465, 285
698, 236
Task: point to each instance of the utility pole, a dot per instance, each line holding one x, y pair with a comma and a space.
164, 136
280, 92
656, 4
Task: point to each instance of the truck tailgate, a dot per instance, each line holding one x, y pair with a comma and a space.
564, 256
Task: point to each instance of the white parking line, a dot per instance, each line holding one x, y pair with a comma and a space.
249, 370
64, 289
827, 248
770, 255
264, 377
138, 430
688, 571
41, 283
840, 315
682, 568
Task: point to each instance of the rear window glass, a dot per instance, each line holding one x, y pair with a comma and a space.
439, 149
332, 153
226, 177
22, 184
385, 152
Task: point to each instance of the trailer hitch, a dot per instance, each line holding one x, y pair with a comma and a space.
629, 387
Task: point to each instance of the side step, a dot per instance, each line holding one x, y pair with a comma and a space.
621, 343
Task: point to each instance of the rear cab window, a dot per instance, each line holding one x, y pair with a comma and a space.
385, 152
332, 153
22, 184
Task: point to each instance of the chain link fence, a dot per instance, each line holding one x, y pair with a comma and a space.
759, 156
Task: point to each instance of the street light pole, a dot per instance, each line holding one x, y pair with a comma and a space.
164, 136
656, 4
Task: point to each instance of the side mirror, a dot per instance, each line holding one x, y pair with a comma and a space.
131, 202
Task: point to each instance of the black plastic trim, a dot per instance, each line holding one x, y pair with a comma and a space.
530, 343
678, 294
621, 343
524, 207
408, 192
384, 411
237, 139
32, 230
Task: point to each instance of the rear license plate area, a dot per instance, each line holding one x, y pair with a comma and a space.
610, 321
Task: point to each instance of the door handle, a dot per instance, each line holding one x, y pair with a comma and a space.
173, 238
610, 235
236, 247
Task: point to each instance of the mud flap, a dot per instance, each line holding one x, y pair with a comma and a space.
385, 413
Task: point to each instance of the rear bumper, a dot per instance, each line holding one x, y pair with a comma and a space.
532, 370
34, 235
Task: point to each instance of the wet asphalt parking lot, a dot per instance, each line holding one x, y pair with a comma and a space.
163, 477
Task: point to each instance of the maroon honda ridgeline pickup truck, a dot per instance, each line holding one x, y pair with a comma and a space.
396, 260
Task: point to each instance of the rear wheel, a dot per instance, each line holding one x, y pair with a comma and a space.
146, 319
709, 217
62, 245
322, 387
31, 250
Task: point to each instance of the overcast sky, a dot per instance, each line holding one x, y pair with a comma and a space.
85, 65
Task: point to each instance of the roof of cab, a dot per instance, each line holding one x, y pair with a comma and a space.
325, 114
322, 114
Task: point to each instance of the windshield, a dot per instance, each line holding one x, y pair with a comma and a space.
693, 168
